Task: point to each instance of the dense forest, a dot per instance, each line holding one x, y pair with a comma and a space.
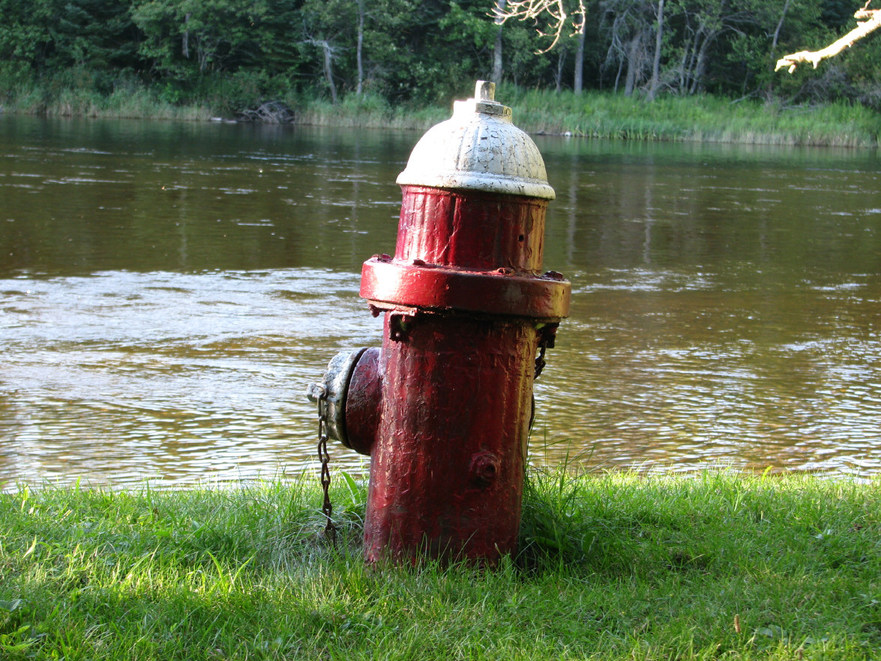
235, 54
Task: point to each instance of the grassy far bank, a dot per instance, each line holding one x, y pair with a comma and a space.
592, 115
613, 566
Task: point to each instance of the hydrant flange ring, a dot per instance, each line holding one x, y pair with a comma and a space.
387, 284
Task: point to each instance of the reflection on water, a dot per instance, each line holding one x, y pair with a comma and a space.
168, 290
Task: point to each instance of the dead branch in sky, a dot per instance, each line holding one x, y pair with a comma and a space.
868, 20
533, 9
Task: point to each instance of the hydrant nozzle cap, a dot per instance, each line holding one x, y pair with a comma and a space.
478, 148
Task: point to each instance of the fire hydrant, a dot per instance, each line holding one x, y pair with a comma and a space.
444, 408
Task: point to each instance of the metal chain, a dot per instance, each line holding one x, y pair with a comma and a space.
547, 336
324, 457
540, 358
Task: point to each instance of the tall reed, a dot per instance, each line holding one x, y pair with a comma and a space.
695, 118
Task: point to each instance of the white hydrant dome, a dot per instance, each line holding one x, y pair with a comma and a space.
478, 148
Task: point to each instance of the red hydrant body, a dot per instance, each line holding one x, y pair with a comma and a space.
444, 408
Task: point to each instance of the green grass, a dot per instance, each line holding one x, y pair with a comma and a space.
612, 566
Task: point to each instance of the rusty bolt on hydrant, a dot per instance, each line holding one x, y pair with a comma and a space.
444, 407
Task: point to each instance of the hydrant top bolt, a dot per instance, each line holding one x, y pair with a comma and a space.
484, 102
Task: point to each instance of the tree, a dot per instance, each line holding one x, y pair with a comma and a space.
26, 40
687, 47
216, 35
628, 26
59, 35
236, 54
329, 25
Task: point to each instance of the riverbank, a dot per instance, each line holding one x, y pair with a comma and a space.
613, 566
599, 115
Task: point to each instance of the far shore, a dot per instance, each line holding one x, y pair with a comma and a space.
597, 115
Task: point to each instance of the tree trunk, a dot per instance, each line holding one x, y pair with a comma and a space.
701, 64
690, 68
205, 49
328, 68
656, 61
774, 41
497, 50
779, 28
558, 76
578, 82
633, 64
360, 87
683, 69
185, 40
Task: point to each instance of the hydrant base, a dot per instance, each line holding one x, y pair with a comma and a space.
446, 474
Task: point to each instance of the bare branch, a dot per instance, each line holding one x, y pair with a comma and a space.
869, 20
532, 9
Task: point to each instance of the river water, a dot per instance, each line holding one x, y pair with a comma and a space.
168, 290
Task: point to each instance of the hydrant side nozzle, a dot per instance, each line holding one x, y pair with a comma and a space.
338, 391
363, 404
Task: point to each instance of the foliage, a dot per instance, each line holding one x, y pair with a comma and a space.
235, 54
